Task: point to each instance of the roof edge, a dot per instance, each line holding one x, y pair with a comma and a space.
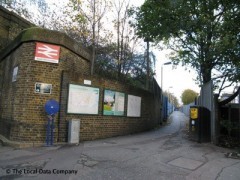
47, 36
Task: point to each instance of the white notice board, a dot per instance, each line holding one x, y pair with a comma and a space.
134, 106
82, 99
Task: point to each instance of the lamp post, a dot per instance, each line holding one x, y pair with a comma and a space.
167, 63
147, 40
164, 106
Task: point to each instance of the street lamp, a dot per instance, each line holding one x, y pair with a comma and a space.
164, 107
167, 63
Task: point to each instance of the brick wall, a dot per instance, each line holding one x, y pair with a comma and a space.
10, 26
22, 116
100, 126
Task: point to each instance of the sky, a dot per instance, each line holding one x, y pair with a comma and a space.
175, 79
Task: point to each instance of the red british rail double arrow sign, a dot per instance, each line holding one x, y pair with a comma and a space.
47, 52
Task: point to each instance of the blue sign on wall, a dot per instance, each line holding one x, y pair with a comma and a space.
51, 107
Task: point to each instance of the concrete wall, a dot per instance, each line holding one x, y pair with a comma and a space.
22, 116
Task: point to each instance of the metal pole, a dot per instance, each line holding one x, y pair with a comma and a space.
52, 130
48, 132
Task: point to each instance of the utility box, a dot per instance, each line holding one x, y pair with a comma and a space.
200, 124
73, 131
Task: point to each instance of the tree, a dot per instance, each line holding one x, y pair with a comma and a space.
94, 12
119, 6
134, 67
202, 34
40, 13
126, 38
120, 57
188, 96
21, 7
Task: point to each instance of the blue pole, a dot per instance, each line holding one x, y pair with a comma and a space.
48, 132
52, 128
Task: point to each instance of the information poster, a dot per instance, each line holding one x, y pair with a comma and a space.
82, 99
43, 88
134, 106
15, 72
113, 103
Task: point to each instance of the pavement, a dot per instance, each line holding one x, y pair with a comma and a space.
166, 153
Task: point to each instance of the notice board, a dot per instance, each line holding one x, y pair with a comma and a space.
82, 99
113, 103
134, 106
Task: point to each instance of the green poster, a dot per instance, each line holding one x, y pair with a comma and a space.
113, 103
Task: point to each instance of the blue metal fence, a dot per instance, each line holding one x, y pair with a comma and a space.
167, 108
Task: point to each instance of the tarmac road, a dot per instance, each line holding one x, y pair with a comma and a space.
165, 153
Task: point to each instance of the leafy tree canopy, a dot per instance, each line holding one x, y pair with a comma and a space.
133, 67
202, 33
188, 96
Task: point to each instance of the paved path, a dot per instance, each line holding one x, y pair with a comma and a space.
165, 153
